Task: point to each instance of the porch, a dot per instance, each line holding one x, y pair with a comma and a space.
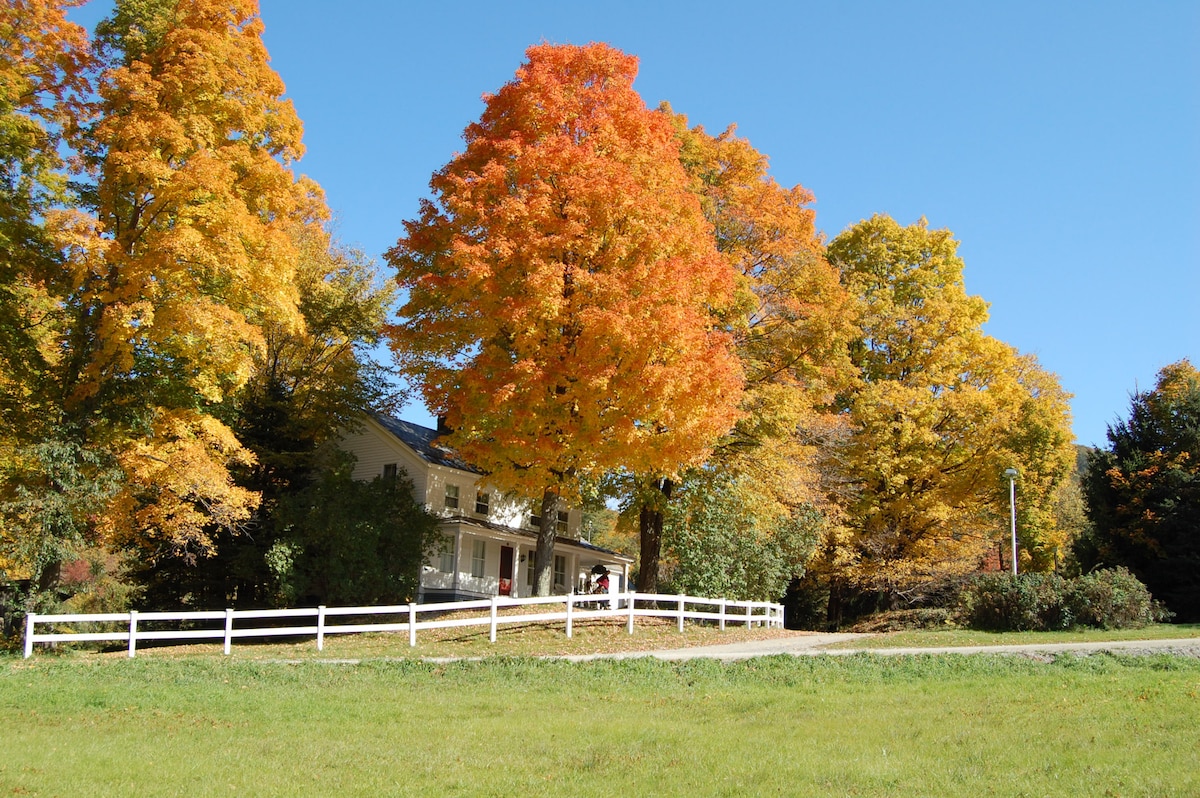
480, 560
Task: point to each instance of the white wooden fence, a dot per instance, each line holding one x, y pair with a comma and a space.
230, 624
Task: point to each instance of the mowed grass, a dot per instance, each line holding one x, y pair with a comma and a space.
858, 725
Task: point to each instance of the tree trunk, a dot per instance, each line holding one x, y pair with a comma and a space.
650, 527
50, 576
544, 556
833, 614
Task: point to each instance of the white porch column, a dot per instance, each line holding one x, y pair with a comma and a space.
457, 559
518, 572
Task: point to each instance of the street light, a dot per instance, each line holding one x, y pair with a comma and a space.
1012, 506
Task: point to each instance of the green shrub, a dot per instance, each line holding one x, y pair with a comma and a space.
1109, 599
1114, 599
1003, 603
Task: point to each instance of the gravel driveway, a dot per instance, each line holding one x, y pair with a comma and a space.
826, 644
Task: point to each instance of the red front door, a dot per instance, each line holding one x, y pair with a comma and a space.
506, 570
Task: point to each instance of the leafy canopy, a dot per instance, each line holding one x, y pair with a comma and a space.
940, 411
136, 306
564, 294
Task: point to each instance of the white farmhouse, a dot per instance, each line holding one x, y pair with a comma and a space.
489, 539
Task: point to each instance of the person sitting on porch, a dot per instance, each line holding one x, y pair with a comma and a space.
601, 582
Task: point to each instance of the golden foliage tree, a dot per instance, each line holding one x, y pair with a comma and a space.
44, 61
794, 323
307, 386
564, 289
187, 256
164, 274
940, 411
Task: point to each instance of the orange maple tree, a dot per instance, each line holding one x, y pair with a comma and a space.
565, 295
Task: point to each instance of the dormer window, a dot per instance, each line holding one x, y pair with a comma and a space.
482, 502
560, 525
451, 497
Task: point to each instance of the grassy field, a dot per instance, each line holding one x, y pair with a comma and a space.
861, 725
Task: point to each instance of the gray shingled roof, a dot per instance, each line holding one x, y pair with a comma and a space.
423, 441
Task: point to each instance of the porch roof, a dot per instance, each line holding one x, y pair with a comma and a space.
488, 526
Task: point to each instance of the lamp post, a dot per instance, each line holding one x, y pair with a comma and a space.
1012, 506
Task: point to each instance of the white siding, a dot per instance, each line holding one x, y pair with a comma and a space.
440, 476
375, 447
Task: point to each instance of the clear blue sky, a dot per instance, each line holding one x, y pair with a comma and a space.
1060, 141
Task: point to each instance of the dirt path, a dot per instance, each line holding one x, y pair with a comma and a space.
826, 644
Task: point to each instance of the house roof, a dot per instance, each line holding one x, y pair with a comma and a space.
423, 441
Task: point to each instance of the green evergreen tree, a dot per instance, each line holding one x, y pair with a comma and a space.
1143, 493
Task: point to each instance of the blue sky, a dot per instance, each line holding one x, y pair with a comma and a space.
1059, 141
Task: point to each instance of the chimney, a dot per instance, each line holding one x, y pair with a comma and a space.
442, 427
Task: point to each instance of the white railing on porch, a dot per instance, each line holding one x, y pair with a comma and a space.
228, 625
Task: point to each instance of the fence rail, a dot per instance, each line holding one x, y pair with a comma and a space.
126, 627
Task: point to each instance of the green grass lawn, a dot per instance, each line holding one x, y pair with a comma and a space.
861, 725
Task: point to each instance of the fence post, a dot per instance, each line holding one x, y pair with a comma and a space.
132, 632
681, 613
492, 633
570, 607
723, 600
29, 622
749, 614
632, 602
412, 624
228, 629
320, 627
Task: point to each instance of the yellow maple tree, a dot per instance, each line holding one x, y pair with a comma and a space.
940, 411
164, 269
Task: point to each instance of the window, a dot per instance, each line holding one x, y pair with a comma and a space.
478, 558
452, 497
535, 521
560, 525
482, 500
446, 562
560, 571
390, 471
531, 570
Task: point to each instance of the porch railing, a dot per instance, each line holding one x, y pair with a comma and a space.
319, 622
